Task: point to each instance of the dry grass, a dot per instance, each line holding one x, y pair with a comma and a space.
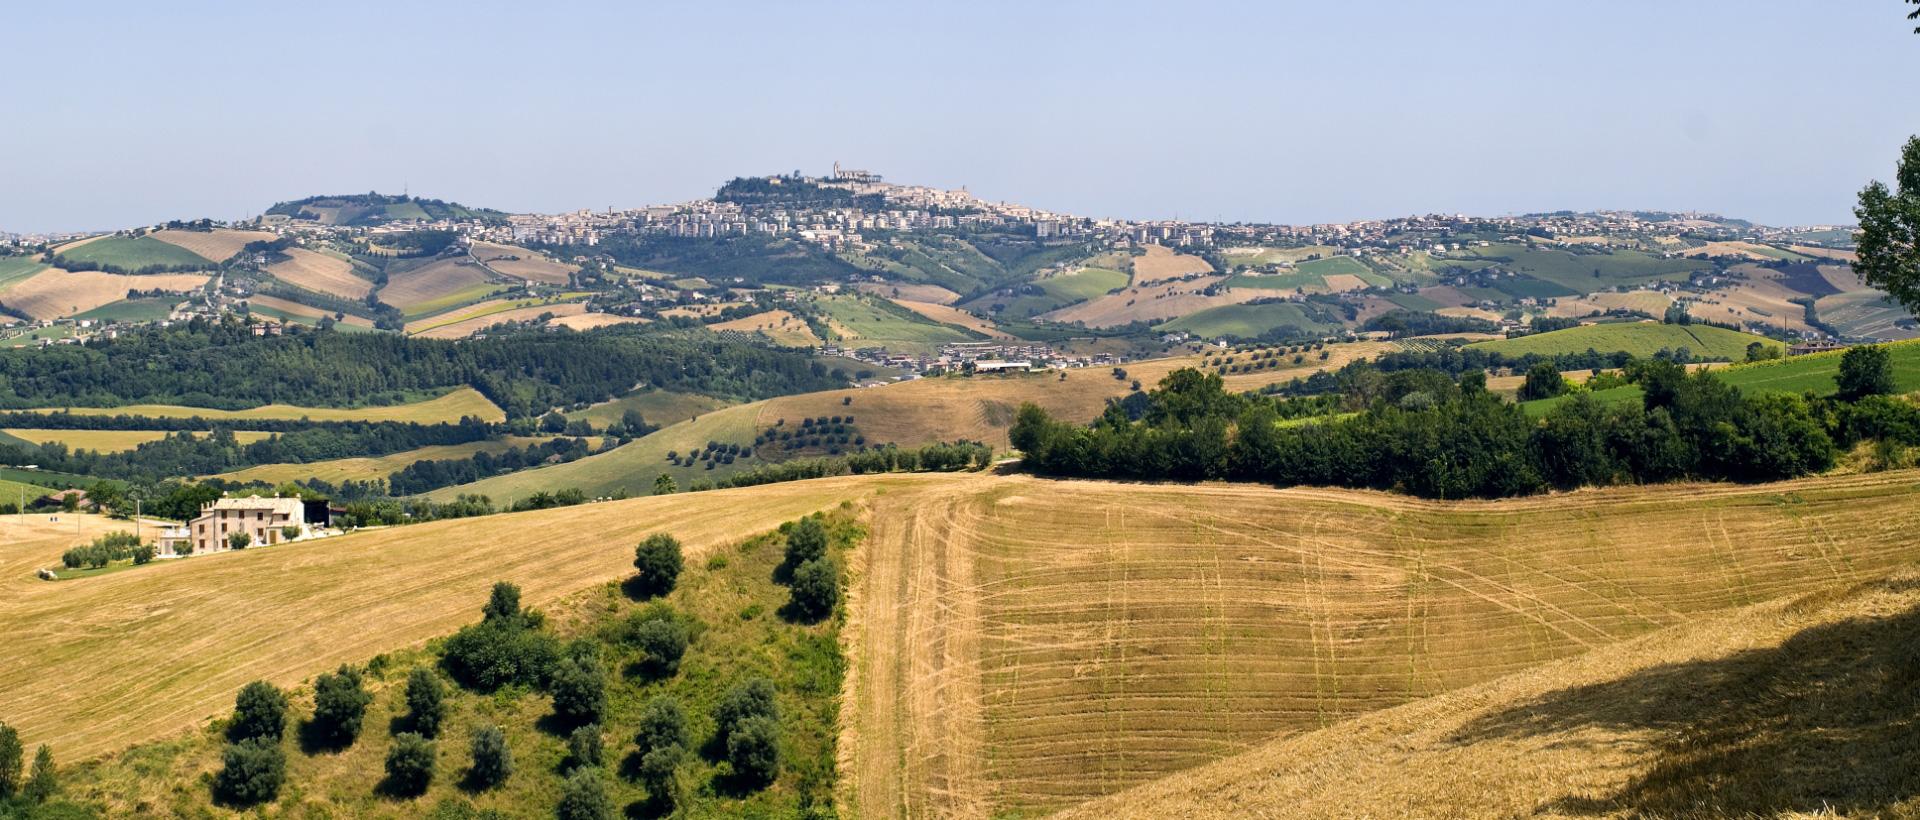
219, 244
469, 320
367, 468
437, 281
779, 326
1759, 299
950, 315
520, 263
1160, 263
54, 293
304, 311
448, 408
320, 273
1025, 645
1153, 303
589, 321
910, 292
1669, 724
1742, 249
111, 441
1650, 302
96, 664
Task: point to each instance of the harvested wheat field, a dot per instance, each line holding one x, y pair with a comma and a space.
1165, 300
368, 468
520, 263
54, 293
112, 441
219, 244
436, 285
1160, 263
447, 408
1024, 645
1777, 707
320, 273
472, 319
297, 310
950, 315
589, 321
94, 664
910, 291
779, 326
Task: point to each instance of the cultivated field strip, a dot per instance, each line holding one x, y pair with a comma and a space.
1123, 632
93, 665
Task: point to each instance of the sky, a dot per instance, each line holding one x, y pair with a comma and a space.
1779, 111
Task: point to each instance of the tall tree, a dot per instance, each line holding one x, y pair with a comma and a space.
1888, 256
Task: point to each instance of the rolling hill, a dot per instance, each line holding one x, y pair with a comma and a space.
1642, 339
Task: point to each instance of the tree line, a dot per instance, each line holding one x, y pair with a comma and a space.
1428, 434
218, 450
432, 474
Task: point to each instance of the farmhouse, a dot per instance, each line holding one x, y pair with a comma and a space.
1813, 346
262, 519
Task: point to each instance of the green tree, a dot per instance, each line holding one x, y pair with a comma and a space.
11, 756
657, 769
142, 554
753, 747
503, 603
1888, 244
492, 760
1761, 351
657, 562
664, 485
410, 764
239, 540
44, 782
1865, 370
585, 746
806, 540
251, 772
584, 798
662, 724
661, 635
1543, 382
426, 702
816, 589
259, 711
340, 706
579, 690
753, 697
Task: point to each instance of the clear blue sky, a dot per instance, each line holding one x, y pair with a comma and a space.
1775, 110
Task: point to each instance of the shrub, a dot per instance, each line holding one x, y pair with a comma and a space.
579, 689
44, 782
426, 702
816, 589
584, 798
503, 603
239, 540
498, 652
753, 747
251, 772
585, 746
492, 760
259, 712
656, 774
1866, 370
753, 697
410, 764
11, 753
340, 706
662, 724
660, 635
143, 553
657, 562
806, 541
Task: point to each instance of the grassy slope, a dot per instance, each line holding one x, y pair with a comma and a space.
659, 407
1030, 644
873, 324
143, 636
1641, 339
129, 252
18, 269
1778, 707
1244, 321
732, 598
133, 310
464, 401
1794, 374
370, 467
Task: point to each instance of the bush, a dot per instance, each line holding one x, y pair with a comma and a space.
751, 698
585, 747
500, 651
753, 747
492, 760
579, 689
11, 758
656, 774
661, 636
816, 589
584, 798
340, 706
45, 782
1543, 382
239, 541
410, 764
259, 712
657, 562
503, 603
1866, 370
662, 724
143, 553
806, 541
251, 772
426, 702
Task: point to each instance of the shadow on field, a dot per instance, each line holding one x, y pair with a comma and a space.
1825, 722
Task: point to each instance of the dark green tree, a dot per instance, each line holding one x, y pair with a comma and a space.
410, 762
426, 702
806, 540
579, 690
584, 798
12, 755
661, 635
44, 782
664, 485
662, 724
1888, 244
816, 589
753, 747
585, 746
657, 769
657, 562
251, 772
1543, 382
340, 706
1865, 370
503, 603
753, 697
259, 711
492, 760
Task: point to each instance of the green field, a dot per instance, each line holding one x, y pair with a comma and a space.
407, 210
129, 253
1057, 292
132, 310
1259, 257
1796, 374
1244, 321
1414, 301
1577, 271
1642, 339
456, 300
658, 407
1335, 266
873, 322
18, 269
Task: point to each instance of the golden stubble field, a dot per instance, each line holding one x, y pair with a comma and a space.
1021, 646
